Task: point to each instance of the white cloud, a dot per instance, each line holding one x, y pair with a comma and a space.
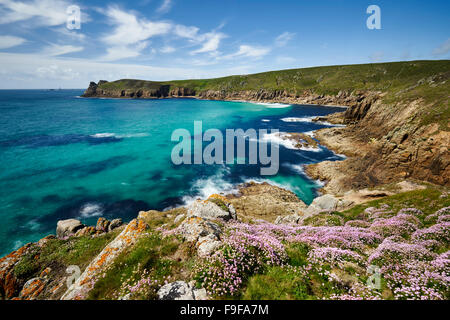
284, 38
10, 41
123, 52
167, 49
131, 30
44, 12
249, 52
210, 42
129, 36
443, 49
37, 71
165, 6
59, 50
186, 32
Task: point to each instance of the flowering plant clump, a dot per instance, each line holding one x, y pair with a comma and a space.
435, 216
439, 232
334, 256
392, 253
377, 213
411, 211
341, 237
399, 225
357, 224
247, 250
335, 262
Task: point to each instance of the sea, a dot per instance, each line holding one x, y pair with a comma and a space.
63, 156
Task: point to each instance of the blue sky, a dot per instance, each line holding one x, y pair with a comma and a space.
180, 39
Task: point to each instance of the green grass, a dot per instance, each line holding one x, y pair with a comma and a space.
150, 253
428, 200
74, 251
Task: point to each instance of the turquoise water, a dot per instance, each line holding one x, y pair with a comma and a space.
68, 157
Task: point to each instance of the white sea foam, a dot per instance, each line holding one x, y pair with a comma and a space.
90, 209
293, 119
119, 136
265, 120
204, 187
103, 135
298, 168
310, 119
282, 138
273, 105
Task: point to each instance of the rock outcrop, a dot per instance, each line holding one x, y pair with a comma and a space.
124, 240
180, 290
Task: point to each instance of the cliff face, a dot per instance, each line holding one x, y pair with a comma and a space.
156, 91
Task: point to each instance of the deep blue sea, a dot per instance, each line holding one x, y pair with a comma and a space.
62, 156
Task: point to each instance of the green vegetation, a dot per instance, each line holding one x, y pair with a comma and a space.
427, 200
152, 258
74, 251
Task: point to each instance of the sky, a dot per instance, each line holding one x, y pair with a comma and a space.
186, 39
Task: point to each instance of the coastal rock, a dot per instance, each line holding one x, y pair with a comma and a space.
326, 202
115, 223
193, 228
86, 231
102, 225
207, 210
67, 228
9, 284
208, 245
129, 235
265, 201
290, 219
33, 288
180, 290
179, 218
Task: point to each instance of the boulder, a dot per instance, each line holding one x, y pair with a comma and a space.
114, 224
180, 290
207, 210
206, 246
102, 225
193, 228
67, 228
326, 202
290, 219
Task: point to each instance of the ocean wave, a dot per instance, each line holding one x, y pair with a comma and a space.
205, 187
293, 119
119, 136
282, 138
310, 119
273, 105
